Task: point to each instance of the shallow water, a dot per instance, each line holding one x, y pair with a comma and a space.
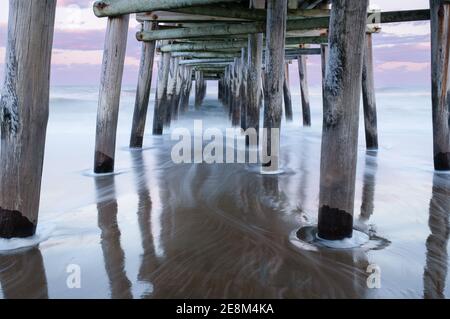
161, 230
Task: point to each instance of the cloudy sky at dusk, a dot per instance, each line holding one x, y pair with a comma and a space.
402, 51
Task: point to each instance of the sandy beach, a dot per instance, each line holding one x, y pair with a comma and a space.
156, 229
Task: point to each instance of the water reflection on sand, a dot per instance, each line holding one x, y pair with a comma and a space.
161, 230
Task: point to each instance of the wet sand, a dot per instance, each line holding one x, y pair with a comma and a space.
161, 230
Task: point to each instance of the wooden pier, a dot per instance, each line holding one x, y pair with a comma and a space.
248, 47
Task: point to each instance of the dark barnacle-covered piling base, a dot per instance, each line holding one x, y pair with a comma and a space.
247, 48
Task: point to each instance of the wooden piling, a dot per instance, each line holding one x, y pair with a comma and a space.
243, 88
440, 72
369, 100
304, 90
341, 119
24, 108
324, 55
181, 83
274, 69
200, 89
109, 96
186, 91
178, 88
220, 89
143, 89
161, 94
171, 91
287, 95
254, 82
236, 105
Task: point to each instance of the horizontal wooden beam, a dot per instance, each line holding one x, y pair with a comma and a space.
232, 45
303, 51
197, 32
178, 17
110, 8
259, 27
405, 16
207, 68
242, 13
206, 61
307, 40
203, 54
203, 46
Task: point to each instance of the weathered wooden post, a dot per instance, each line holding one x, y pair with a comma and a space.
341, 117
230, 86
304, 90
243, 88
200, 87
172, 85
186, 91
369, 100
161, 94
143, 89
236, 105
109, 96
179, 87
24, 108
254, 75
273, 94
440, 74
324, 55
220, 89
287, 94
198, 79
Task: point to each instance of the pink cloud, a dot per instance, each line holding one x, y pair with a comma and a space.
407, 66
81, 3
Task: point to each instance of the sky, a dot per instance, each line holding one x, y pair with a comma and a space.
401, 51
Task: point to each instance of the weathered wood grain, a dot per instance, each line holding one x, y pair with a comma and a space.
109, 96
287, 95
143, 89
24, 109
274, 78
161, 94
341, 119
254, 82
369, 99
304, 90
440, 86
108, 8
